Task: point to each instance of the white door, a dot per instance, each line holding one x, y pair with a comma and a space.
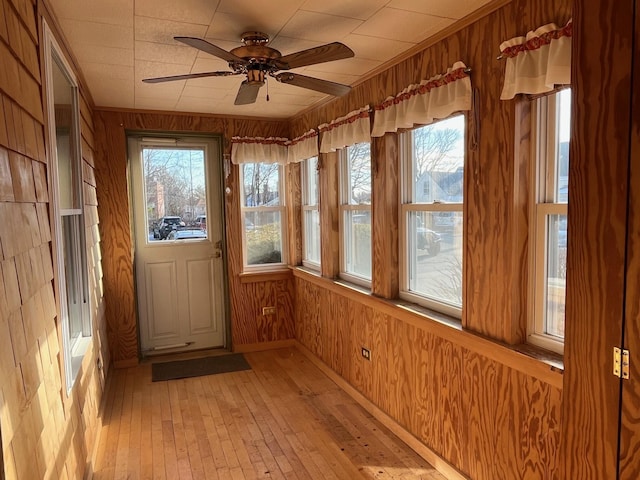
178, 243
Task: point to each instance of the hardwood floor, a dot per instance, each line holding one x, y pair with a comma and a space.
282, 419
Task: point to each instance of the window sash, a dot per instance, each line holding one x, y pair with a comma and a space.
254, 230
347, 209
310, 243
408, 248
546, 204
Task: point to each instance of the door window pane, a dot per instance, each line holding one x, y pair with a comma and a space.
176, 196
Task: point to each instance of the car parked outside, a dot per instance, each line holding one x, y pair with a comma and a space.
427, 239
165, 226
189, 234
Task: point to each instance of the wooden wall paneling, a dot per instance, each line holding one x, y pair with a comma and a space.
451, 410
361, 370
597, 217
115, 231
432, 406
329, 220
380, 346
385, 204
294, 212
630, 415
486, 391
338, 315
401, 371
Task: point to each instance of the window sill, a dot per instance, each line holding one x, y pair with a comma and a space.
532, 361
266, 276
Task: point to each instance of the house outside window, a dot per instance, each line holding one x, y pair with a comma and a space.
310, 214
263, 215
551, 126
431, 215
355, 213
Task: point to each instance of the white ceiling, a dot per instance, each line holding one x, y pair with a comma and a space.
120, 42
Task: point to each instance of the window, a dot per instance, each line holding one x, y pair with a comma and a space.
68, 208
551, 118
263, 215
431, 215
355, 213
310, 214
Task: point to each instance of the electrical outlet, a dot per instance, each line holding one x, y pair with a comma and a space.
268, 310
366, 353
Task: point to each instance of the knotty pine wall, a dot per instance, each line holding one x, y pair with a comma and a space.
247, 294
461, 389
45, 433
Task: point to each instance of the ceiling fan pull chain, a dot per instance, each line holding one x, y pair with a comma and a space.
266, 80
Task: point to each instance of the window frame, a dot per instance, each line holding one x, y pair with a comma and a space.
280, 208
408, 206
308, 208
345, 207
68, 224
545, 120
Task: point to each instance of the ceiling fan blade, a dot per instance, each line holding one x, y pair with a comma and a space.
311, 83
188, 76
311, 56
247, 93
211, 49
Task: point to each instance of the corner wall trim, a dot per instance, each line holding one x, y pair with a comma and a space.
416, 445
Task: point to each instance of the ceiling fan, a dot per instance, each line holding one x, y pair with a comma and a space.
255, 60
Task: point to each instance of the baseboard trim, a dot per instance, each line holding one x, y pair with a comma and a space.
262, 346
446, 469
126, 363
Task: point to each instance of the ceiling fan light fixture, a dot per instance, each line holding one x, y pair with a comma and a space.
255, 76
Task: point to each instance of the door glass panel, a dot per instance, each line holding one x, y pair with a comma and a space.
175, 193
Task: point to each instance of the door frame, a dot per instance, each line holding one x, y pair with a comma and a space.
186, 136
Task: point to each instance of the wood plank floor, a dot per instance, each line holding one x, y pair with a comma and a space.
283, 419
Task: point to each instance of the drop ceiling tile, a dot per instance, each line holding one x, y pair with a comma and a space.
373, 48
402, 25
440, 8
348, 8
113, 12
162, 31
187, 11
281, 10
97, 34
231, 26
161, 53
355, 66
144, 103
197, 105
99, 54
105, 71
115, 93
319, 27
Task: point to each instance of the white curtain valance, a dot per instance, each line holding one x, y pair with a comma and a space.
258, 149
538, 61
421, 104
303, 147
346, 131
